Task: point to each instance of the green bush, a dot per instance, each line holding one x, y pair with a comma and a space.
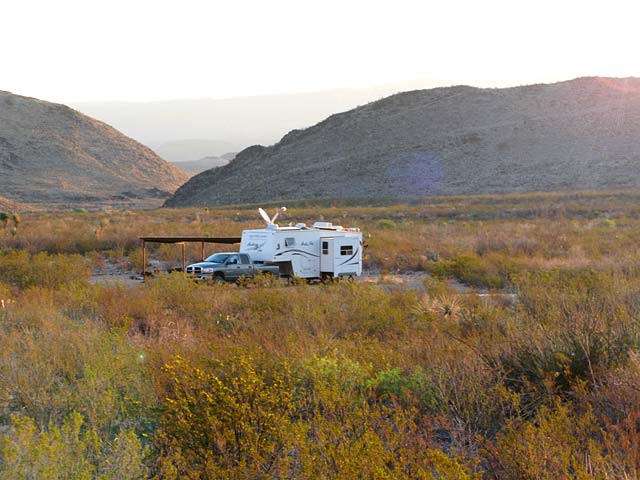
385, 224
69, 451
42, 270
412, 389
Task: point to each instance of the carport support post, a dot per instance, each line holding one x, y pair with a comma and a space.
202, 251
144, 259
184, 258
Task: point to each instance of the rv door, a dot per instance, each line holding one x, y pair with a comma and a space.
326, 254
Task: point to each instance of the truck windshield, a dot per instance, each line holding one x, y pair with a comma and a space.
218, 258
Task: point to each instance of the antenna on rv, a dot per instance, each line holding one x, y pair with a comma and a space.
278, 212
264, 216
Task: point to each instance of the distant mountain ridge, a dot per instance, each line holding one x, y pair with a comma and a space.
578, 134
176, 129
205, 163
192, 150
53, 156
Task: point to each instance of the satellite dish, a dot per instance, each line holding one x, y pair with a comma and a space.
264, 216
280, 210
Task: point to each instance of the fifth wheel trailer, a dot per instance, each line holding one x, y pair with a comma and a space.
322, 250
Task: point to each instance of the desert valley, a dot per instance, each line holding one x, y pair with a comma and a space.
270, 241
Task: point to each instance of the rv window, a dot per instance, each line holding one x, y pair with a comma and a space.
290, 242
346, 250
325, 248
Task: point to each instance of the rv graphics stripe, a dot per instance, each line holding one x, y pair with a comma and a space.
351, 257
296, 251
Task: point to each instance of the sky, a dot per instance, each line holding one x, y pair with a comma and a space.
139, 50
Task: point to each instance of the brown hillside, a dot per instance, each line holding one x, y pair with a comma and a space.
579, 134
12, 206
54, 156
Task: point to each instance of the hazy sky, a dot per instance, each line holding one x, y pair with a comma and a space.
138, 50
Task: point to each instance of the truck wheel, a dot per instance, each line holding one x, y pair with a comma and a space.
218, 279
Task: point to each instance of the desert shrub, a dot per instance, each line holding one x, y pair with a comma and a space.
135, 260
52, 271
593, 310
372, 312
51, 366
474, 396
176, 291
413, 389
490, 243
503, 266
608, 223
621, 442
513, 244
28, 452
95, 260
385, 223
236, 420
558, 444
468, 269
4, 219
117, 256
570, 328
351, 431
226, 420
342, 375
68, 451
615, 403
616, 397
524, 246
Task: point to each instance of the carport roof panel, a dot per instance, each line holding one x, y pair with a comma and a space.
227, 240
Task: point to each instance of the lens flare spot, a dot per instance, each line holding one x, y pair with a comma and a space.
414, 174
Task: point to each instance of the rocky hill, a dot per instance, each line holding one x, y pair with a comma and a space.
52, 155
578, 134
10, 206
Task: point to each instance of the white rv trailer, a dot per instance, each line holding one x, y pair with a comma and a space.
319, 251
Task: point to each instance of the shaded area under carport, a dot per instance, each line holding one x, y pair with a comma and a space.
183, 241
